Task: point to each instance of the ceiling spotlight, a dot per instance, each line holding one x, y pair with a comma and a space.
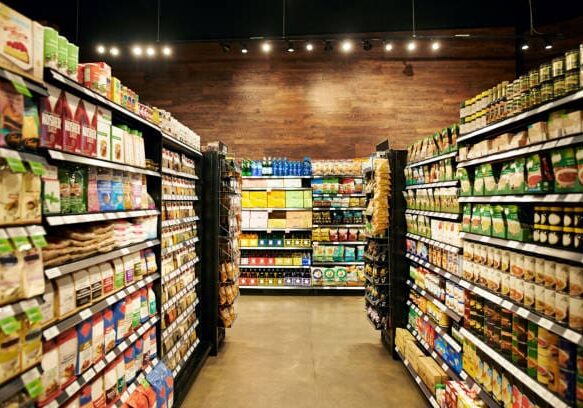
114, 51
290, 46
309, 47
226, 47
366, 45
100, 49
411, 45
266, 47
137, 50
524, 47
244, 49
388, 46
166, 51
435, 45
346, 45
328, 46
150, 51
548, 44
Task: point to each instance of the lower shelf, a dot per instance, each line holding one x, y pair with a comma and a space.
303, 287
428, 394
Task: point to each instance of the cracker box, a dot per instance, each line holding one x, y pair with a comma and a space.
51, 110
103, 128
277, 220
258, 199
21, 46
71, 126
117, 146
276, 199
86, 116
258, 219
294, 199
11, 116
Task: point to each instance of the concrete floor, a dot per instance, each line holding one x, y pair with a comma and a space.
303, 352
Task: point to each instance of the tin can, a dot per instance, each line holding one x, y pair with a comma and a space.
571, 81
559, 88
535, 96
558, 67
533, 78
546, 91
572, 60
545, 72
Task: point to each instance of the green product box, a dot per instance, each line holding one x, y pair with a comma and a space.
51, 47
465, 182
486, 220
490, 185
476, 221
498, 223
467, 218
62, 54
517, 183
294, 199
565, 170
517, 229
72, 59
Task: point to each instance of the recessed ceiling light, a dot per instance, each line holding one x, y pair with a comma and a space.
150, 51
167, 51
114, 51
244, 49
388, 46
346, 45
290, 46
137, 50
435, 45
266, 47
309, 47
411, 45
100, 49
524, 47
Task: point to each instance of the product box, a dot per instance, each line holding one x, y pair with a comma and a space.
294, 199
51, 45
71, 126
276, 199
292, 182
50, 190
51, 111
555, 124
257, 183
62, 50
277, 220
245, 200
21, 46
117, 146
103, 133
537, 132
258, 219
430, 372
258, 199
115, 92
11, 116
307, 199
86, 115
573, 123
274, 183
299, 219
128, 147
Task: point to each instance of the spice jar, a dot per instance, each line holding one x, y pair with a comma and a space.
533, 78
572, 60
578, 217
559, 86
571, 81
544, 73
578, 238
546, 92
558, 67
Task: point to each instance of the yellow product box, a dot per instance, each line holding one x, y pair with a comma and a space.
279, 261
245, 201
413, 353
258, 199
292, 182
276, 199
299, 219
276, 223
430, 372
287, 261
294, 199
297, 260
258, 219
115, 90
245, 219
307, 199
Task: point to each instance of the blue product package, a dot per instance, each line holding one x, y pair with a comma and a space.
156, 380
104, 193
317, 186
117, 190
84, 335
169, 379
121, 322
85, 397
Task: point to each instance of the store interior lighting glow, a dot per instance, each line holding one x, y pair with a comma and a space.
435, 45
244, 49
411, 46
150, 51
100, 49
167, 51
388, 46
114, 51
524, 47
137, 50
266, 47
290, 47
346, 45
309, 47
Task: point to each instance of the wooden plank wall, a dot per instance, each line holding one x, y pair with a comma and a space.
325, 104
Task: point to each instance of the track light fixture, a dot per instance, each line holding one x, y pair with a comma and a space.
346, 45
366, 45
548, 44
309, 46
166, 51
328, 46
137, 51
266, 47
435, 45
226, 47
100, 49
388, 46
244, 49
290, 46
411, 45
114, 51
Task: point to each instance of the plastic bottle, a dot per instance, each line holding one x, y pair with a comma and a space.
259, 168
285, 167
307, 167
269, 167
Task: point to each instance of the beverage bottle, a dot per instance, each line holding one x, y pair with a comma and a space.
285, 167
259, 168
264, 167
307, 167
276, 167
269, 168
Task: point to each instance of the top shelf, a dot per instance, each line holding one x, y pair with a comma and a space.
277, 177
177, 144
432, 159
515, 120
338, 175
31, 84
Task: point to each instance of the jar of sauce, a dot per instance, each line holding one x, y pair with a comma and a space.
544, 73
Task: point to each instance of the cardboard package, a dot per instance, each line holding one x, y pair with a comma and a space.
103, 133
294, 199
573, 123
258, 199
51, 121
276, 199
247, 182
292, 182
430, 372
245, 200
258, 219
273, 183
277, 220
299, 219
307, 199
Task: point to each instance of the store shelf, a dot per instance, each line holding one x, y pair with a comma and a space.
284, 248
179, 174
418, 380
268, 230
274, 267
177, 144
432, 159
438, 244
338, 226
441, 330
316, 243
435, 301
444, 366
434, 214
314, 263
451, 183
525, 198
525, 247
134, 385
176, 197
370, 259
522, 151
317, 176
177, 345
530, 383
179, 221
563, 331
8, 153
338, 208
506, 124
55, 272
57, 328
91, 161
191, 350
178, 271
54, 220
12, 387
376, 303
276, 188
188, 288
33, 85
168, 330
53, 76
179, 246
276, 177
339, 194
304, 287
271, 209
374, 282
97, 368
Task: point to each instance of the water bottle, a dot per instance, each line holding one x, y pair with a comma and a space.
307, 167
253, 168
285, 167
259, 168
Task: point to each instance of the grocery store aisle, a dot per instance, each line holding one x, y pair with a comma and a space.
291, 351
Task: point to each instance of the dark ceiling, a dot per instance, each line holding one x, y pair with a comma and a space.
183, 20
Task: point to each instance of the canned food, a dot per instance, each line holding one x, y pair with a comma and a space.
558, 67
545, 72
535, 96
572, 60
533, 78
524, 83
571, 81
559, 86
546, 92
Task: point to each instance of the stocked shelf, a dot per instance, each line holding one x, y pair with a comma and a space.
305, 287
186, 335
65, 269
451, 183
339, 226
89, 374
284, 248
438, 244
276, 177
168, 330
525, 247
191, 350
179, 246
276, 188
454, 344
179, 174
526, 198
179, 221
435, 301
506, 124
176, 197
268, 230
318, 176
316, 243
12, 387
532, 384
79, 316
337, 263
90, 161
134, 385
374, 282
432, 159
33, 85
339, 194
274, 267
179, 295
375, 303
271, 209
22, 156
178, 271
177, 144
338, 208
434, 214
418, 380
54, 220
530, 149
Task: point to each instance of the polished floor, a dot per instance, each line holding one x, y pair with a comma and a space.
296, 352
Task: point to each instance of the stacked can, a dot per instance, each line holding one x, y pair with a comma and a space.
572, 70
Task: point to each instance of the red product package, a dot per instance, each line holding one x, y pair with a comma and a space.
51, 112
150, 395
86, 116
137, 400
71, 127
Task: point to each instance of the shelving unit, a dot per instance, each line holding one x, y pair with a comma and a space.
428, 394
